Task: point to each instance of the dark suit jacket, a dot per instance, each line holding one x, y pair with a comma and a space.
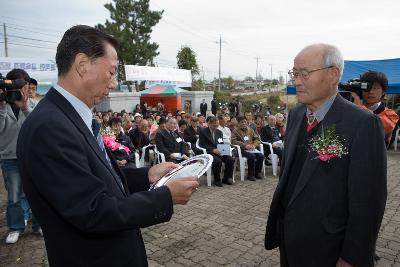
167, 144
336, 207
206, 141
203, 108
75, 194
269, 135
189, 134
139, 139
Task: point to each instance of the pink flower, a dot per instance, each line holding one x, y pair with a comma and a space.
325, 157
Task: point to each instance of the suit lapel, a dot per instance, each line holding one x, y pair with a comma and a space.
71, 113
291, 140
310, 164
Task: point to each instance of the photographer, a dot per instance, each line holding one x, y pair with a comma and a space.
32, 102
372, 100
14, 109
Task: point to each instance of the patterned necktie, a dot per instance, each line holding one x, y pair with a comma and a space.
311, 122
99, 140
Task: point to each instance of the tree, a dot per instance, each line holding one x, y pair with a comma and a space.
197, 85
131, 23
186, 59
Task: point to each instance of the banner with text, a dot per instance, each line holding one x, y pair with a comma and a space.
43, 70
152, 75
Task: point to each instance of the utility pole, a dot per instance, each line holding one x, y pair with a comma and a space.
271, 77
219, 67
5, 40
204, 83
257, 72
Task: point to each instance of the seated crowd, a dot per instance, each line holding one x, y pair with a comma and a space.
181, 136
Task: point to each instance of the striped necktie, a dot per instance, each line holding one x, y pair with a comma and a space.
99, 140
311, 122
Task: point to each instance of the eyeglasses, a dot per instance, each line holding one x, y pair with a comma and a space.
304, 74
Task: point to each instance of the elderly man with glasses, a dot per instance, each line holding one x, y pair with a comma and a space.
331, 195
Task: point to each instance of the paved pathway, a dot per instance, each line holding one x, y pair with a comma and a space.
220, 226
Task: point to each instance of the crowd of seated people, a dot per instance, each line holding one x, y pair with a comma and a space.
176, 136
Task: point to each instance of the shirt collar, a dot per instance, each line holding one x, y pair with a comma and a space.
83, 110
322, 110
374, 106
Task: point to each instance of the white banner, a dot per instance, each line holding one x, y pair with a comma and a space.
43, 70
170, 75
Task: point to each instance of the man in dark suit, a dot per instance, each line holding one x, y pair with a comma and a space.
78, 194
209, 138
328, 206
140, 136
190, 134
270, 134
170, 144
214, 107
203, 108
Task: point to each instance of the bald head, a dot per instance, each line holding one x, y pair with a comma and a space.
316, 74
144, 126
271, 120
327, 55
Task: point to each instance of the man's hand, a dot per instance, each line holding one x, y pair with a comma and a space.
182, 189
356, 99
249, 147
185, 157
121, 162
23, 103
4, 101
159, 170
342, 263
216, 152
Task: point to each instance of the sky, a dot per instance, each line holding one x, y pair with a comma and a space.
272, 31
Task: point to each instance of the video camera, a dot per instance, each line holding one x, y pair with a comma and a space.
11, 89
356, 85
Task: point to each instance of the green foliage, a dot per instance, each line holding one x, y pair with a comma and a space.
197, 85
186, 59
222, 96
131, 23
274, 100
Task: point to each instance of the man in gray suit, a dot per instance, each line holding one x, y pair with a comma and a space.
330, 199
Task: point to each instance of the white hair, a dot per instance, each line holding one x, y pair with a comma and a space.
333, 57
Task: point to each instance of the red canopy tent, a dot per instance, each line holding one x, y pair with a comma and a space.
169, 94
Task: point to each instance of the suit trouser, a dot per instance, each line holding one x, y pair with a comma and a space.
276, 150
254, 162
217, 165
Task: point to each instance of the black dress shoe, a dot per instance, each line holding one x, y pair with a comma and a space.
218, 183
228, 181
251, 178
259, 176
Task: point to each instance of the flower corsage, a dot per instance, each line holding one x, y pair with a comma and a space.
328, 145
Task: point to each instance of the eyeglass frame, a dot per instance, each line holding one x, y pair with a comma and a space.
293, 77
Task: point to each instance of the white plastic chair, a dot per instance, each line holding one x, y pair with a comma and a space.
208, 173
160, 157
137, 160
243, 161
396, 138
209, 170
274, 158
142, 158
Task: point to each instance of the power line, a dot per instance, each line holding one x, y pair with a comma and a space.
20, 29
35, 46
29, 22
31, 39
